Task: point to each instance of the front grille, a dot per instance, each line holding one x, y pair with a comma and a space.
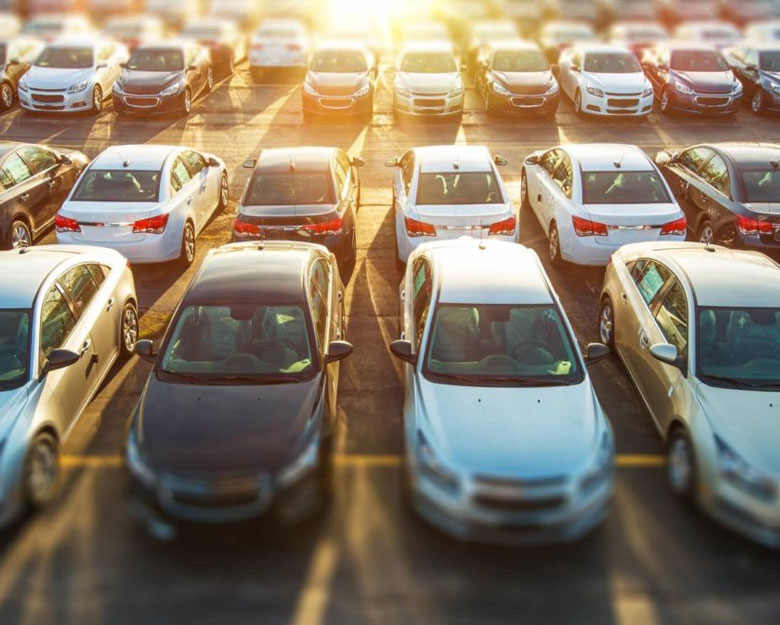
527, 101
622, 103
507, 504
215, 501
49, 90
711, 101
48, 99
624, 95
429, 95
143, 102
529, 89
430, 103
510, 482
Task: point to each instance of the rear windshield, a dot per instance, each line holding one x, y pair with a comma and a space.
104, 185
698, 61
288, 189
428, 63
769, 61
612, 63
762, 185
339, 62
156, 60
459, 188
65, 58
519, 61
634, 187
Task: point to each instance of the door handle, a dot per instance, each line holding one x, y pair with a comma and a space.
624, 297
85, 347
538, 197
644, 342
110, 304
24, 197
189, 201
52, 184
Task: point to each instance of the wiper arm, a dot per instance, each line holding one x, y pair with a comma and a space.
192, 379
254, 379
735, 382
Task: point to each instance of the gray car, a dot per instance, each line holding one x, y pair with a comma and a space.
66, 314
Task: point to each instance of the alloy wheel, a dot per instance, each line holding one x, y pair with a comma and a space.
20, 235
555, 245
680, 465
97, 100
41, 472
187, 101
224, 192
606, 323
129, 328
6, 95
578, 102
757, 102
665, 101
524, 189
188, 244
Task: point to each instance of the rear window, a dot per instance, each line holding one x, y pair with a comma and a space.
698, 61
102, 185
634, 187
459, 188
288, 189
762, 185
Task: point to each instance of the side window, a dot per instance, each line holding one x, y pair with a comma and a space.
39, 159
650, 280
57, 321
318, 297
636, 268
751, 57
179, 175
194, 161
99, 273
716, 174
341, 178
80, 287
14, 170
672, 317
407, 170
692, 159
422, 287
549, 160
564, 176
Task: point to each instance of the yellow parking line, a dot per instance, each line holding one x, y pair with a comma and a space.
634, 461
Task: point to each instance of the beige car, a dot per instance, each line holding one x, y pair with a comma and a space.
698, 330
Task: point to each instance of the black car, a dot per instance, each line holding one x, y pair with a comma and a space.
163, 78
341, 79
730, 192
16, 56
692, 78
516, 77
34, 182
758, 68
238, 414
305, 194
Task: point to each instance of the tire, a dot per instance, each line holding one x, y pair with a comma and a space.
97, 100
40, 477
681, 464
6, 96
188, 246
186, 104
578, 102
525, 201
554, 246
758, 102
19, 235
665, 101
705, 233
224, 192
606, 326
128, 330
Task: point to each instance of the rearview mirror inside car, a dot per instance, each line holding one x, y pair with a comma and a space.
338, 350
403, 350
596, 352
393, 162
145, 349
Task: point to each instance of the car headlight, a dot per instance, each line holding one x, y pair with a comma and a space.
302, 466
774, 87
594, 91
553, 89
22, 85
737, 88
78, 87
647, 92
432, 468
735, 470
402, 91
136, 463
456, 90
363, 90
684, 89
307, 88
603, 467
499, 88
173, 89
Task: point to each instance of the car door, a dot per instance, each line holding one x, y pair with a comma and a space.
45, 165
539, 187
205, 189
183, 193
30, 193
320, 293
682, 174
713, 197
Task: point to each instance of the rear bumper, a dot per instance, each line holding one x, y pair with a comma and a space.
153, 248
586, 251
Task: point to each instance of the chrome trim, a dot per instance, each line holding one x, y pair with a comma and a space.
323, 102
141, 106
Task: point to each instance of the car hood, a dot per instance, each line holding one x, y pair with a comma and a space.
247, 429
748, 421
533, 432
345, 80
524, 79
109, 212
635, 82
708, 82
286, 210
56, 78
11, 405
135, 81
427, 83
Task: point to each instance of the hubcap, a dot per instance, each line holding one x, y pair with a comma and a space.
130, 329
97, 99
679, 466
211, 79
20, 237
224, 191
42, 471
8, 96
524, 188
706, 235
577, 102
606, 324
665, 100
187, 101
757, 101
554, 244
189, 243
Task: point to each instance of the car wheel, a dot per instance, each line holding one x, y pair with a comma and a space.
187, 245
554, 246
224, 192
6, 96
666, 101
210, 79
129, 330
757, 102
525, 202
187, 103
41, 471
607, 323
680, 465
578, 102
97, 99
19, 235
706, 233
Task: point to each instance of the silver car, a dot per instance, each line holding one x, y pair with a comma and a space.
66, 314
698, 330
504, 438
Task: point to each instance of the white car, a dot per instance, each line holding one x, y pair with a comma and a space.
698, 329
447, 192
604, 79
278, 44
50, 26
590, 199
72, 76
148, 202
763, 31
428, 81
504, 437
715, 32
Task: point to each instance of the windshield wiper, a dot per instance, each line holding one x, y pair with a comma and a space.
192, 379
250, 379
529, 382
742, 384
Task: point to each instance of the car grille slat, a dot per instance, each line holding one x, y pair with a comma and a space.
622, 103
712, 100
430, 103
516, 504
48, 99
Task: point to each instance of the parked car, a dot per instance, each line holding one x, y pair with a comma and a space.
717, 33
66, 315
223, 37
697, 328
762, 31
631, 10
588, 11
742, 12
527, 14
516, 77
758, 68
304, 194
102, 10
278, 44
16, 57
672, 12
34, 181
604, 79
266, 360
692, 78
340, 80
446, 192
72, 76
557, 36
637, 36
52, 26
163, 78
591, 199
134, 31
488, 32
729, 192
174, 13
483, 336
149, 202
427, 82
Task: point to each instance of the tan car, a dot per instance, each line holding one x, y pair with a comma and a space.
698, 330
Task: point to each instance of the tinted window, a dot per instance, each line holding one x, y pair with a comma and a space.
519, 61
99, 273
770, 61
672, 318
407, 170
39, 159
339, 61
66, 58
80, 286
631, 187
650, 280
156, 60
611, 63
563, 175
289, 189
549, 160
194, 161
459, 188
692, 159
762, 185
57, 321
716, 174
180, 175
14, 347
106, 185
698, 61
14, 171
319, 311
428, 63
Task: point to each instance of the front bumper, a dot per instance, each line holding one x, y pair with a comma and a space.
56, 101
136, 104
613, 105
427, 105
337, 105
705, 103
756, 520
524, 103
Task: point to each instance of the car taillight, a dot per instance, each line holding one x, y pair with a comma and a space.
330, 227
750, 226
66, 224
416, 228
294, 46
245, 229
678, 226
506, 227
588, 228
152, 225
258, 46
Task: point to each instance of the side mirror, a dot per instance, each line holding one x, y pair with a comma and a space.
64, 160
666, 353
13, 62
101, 66
60, 359
663, 67
393, 162
213, 162
532, 160
665, 157
123, 65
751, 68
192, 68
356, 161
403, 350
249, 163
499, 160
596, 352
574, 68
145, 349
338, 350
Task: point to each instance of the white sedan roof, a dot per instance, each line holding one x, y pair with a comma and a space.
451, 158
604, 156
425, 45
138, 157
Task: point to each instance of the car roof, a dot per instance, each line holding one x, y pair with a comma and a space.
139, 157
488, 272
340, 45
427, 45
304, 159
444, 158
746, 154
252, 273
603, 156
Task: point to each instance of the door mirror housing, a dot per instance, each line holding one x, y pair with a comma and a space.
145, 349
356, 161
249, 163
60, 359
213, 162
666, 157
532, 160
338, 350
403, 350
64, 160
123, 65
574, 67
596, 352
393, 162
751, 68
667, 354
101, 66
500, 160
192, 68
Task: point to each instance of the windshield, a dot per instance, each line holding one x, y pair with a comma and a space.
428, 63
339, 61
125, 30
698, 61
289, 189
156, 60
14, 348
740, 344
105, 185
630, 187
459, 188
247, 341
519, 61
612, 63
65, 58
769, 61
503, 345
201, 32
762, 185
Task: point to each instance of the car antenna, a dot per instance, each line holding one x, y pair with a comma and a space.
774, 164
481, 231
619, 163
125, 162
292, 164
456, 163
